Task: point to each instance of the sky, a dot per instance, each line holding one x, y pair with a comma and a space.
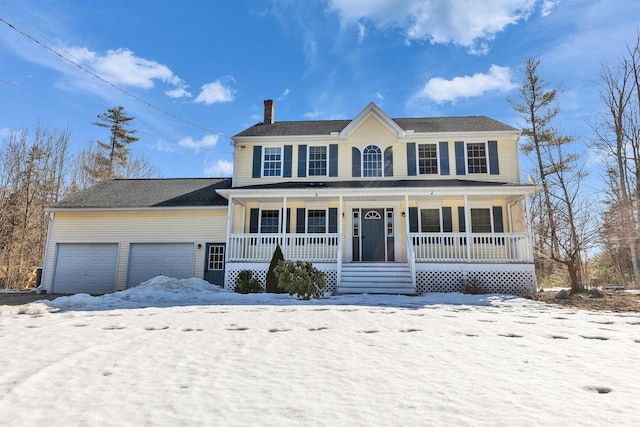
185, 352
193, 74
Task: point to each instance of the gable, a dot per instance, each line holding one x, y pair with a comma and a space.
372, 112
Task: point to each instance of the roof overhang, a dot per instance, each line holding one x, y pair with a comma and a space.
138, 209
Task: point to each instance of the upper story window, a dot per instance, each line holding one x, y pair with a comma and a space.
316, 221
477, 157
427, 159
269, 221
272, 161
372, 161
317, 161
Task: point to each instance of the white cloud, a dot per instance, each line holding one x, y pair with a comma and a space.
163, 146
440, 90
548, 6
468, 23
284, 94
178, 93
122, 67
215, 92
313, 114
208, 141
219, 169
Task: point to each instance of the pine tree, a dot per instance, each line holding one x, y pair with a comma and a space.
272, 280
113, 158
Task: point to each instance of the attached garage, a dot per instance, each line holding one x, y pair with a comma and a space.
148, 260
85, 268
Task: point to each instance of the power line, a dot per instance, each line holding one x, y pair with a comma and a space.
137, 98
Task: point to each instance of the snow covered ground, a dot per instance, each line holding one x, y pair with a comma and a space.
186, 353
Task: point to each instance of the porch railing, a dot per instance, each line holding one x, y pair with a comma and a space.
316, 247
473, 247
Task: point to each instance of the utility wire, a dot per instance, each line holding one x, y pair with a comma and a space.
137, 98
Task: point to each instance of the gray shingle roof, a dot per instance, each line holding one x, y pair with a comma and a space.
425, 124
148, 193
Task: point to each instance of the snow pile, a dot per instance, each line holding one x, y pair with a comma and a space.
31, 309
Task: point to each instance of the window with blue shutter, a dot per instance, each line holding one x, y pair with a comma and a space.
286, 168
388, 161
460, 166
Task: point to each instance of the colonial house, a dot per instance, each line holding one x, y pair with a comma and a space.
381, 205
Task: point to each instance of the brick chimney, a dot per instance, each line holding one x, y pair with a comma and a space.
269, 110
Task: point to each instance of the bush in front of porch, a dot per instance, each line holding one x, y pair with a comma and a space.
300, 278
272, 280
247, 284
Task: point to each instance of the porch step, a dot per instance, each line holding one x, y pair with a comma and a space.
376, 278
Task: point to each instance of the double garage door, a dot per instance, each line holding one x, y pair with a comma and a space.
91, 267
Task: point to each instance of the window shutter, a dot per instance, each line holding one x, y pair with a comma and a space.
333, 220
411, 159
494, 167
300, 220
286, 167
388, 161
447, 222
257, 161
333, 159
462, 225
413, 220
288, 219
444, 157
460, 166
498, 226
302, 160
355, 162
253, 220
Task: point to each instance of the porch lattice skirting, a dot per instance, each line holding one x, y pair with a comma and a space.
513, 279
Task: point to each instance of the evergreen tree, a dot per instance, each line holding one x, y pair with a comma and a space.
272, 280
113, 157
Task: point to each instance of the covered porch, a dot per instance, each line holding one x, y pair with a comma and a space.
364, 225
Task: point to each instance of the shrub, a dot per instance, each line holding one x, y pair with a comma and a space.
301, 279
272, 280
246, 284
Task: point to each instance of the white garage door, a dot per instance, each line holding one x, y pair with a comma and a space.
87, 268
148, 260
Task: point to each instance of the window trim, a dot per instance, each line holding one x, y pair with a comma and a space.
439, 209
437, 145
260, 231
486, 158
326, 160
362, 169
263, 162
490, 219
221, 261
326, 220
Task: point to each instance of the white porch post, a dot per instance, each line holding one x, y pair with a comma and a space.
229, 229
340, 236
467, 225
528, 227
285, 221
406, 209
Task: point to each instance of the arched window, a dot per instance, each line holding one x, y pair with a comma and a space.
371, 161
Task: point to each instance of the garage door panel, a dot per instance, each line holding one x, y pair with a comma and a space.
148, 260
85, 267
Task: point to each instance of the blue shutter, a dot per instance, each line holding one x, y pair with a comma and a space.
460, 166
302, 160
494, 167
333, 220
333, 159
447, 222
286, 168
388, 161
257, 161
413, 220
253, 220
288, 219
300, 220
411, 159
355, 162
444, 157
462, 225
498, 226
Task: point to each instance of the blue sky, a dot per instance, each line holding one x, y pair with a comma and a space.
206, 66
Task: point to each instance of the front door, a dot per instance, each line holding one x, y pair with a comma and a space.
372, 237
214, 263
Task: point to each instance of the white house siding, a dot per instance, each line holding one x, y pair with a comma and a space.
142, 226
